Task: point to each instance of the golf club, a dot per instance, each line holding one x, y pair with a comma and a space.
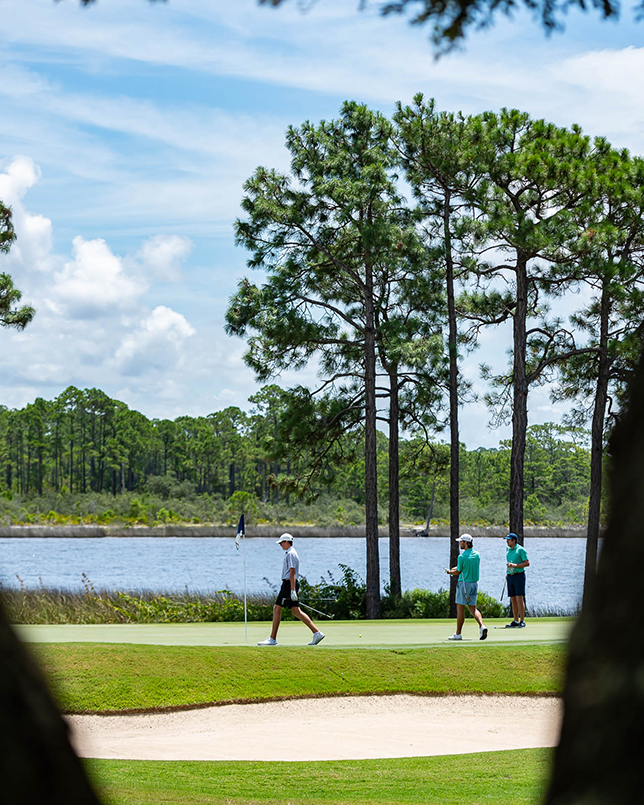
317, 611
503, 590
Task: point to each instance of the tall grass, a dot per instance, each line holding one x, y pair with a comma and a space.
47, 605
344, 599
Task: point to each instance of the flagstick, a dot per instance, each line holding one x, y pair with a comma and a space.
241, 535
245, 607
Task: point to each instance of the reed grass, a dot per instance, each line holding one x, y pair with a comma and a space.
44, 605
90, 606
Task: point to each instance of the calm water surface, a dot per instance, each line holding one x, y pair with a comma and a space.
201, 564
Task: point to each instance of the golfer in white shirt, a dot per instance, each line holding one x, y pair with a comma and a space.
288, 594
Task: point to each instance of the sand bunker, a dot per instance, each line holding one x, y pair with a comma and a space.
325, 729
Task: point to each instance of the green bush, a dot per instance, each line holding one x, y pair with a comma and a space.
489, 607
417, 604
345, 599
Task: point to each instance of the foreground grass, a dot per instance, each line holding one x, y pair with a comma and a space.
489, 778
90, 677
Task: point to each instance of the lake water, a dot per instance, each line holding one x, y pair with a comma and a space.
177, 564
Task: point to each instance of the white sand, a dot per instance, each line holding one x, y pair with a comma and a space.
325, 729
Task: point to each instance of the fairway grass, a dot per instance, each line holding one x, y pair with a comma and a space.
102, 677
488, 778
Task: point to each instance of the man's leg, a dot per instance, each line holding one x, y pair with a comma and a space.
475, 614
277, 617
305, 619
519, 614
460, 617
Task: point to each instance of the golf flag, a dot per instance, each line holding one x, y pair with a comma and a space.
240, 531
240, 534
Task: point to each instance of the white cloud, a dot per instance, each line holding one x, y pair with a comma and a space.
21, 174
32, 249
162, 255
157, 344
94, 283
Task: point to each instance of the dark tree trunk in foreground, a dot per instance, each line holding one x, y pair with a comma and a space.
597, 448
599, 756
37, 762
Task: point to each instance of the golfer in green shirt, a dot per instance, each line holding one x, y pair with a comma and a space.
516, 558
467, 587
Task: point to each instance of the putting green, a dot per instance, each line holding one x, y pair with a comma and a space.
339, 634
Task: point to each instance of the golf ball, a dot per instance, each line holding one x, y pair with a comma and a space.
359, 635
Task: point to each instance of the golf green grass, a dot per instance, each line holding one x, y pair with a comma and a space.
90, 677
339, 634
489, 778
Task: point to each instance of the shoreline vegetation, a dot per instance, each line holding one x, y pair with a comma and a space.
343, 600
270, 531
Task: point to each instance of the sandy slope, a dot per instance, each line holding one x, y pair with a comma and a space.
325, 729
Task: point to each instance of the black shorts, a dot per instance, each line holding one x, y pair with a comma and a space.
516, 584
284, 596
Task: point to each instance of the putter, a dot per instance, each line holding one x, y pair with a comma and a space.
503, 590
317, 611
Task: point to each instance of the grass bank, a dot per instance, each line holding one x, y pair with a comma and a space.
88, 677
490, 778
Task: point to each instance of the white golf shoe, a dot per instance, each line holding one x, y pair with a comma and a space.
456, 637
318, 637
483, 632
270, 641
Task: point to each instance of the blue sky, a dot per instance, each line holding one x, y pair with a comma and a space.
129, 128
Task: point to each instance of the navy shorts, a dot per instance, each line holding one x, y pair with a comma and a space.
516, 584
284, 596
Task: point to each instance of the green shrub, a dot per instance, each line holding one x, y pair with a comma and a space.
417, 604
489, 607
345, 599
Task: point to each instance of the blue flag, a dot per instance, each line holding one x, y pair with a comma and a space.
240, 531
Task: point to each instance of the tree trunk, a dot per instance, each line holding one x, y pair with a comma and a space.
276, 472
231, 479
597, 447
395, 584
599, 752
454, 465
370, 454
519, 401
37, 762
430, 513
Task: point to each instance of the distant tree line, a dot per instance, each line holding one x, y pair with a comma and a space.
83, 441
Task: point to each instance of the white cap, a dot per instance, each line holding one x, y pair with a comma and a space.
285, 538
465, 538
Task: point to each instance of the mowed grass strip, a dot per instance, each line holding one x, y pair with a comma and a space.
100, 677
489, 778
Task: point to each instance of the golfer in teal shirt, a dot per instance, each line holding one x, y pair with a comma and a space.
467, 587
516, 558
